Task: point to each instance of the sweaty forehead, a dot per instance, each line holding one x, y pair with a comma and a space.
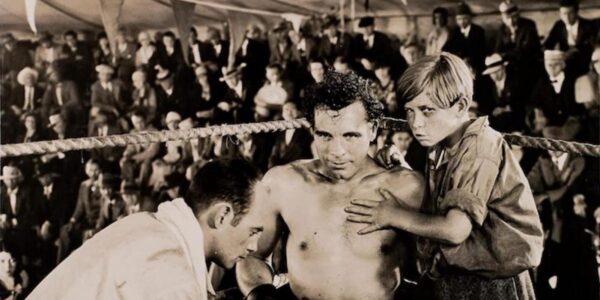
350, 118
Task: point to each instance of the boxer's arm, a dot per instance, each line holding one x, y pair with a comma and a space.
255, 271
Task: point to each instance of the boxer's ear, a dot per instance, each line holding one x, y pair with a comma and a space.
220, 214
374, 127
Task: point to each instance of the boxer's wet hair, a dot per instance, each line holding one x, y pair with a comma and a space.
229, 180
337, 91
445, 78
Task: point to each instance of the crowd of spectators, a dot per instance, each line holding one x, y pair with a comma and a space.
65, 87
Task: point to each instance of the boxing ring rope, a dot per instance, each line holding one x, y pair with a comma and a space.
42, 147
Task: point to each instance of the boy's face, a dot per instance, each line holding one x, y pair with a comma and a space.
429, 123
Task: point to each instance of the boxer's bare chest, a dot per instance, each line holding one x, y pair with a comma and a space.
314, 214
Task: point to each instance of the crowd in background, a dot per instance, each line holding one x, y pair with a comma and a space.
60, 87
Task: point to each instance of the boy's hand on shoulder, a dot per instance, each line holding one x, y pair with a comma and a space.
377, 214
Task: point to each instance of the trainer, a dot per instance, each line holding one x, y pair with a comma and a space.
163, 255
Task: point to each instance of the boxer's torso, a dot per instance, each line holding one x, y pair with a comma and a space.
326, 257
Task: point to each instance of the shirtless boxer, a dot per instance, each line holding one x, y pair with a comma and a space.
326, 258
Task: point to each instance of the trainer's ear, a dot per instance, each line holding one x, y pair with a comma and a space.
219, 215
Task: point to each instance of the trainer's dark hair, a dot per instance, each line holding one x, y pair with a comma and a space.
228, 180
337, 91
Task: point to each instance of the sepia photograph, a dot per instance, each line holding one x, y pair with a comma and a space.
300, 149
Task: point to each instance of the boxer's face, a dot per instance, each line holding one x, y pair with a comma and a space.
342, 138
430, 123
235, 242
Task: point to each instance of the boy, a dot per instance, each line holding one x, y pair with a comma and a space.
479, 230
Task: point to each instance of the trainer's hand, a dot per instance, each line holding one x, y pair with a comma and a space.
389, 156
377, 214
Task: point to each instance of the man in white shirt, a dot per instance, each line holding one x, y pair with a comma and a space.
164, 255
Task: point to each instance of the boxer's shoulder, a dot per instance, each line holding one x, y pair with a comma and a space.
298, 171
406, 184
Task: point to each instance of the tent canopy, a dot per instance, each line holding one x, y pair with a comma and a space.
58, 15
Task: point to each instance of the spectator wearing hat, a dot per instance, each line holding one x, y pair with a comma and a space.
333, 42
14, 57
556, 183
205, 93
587, 93
113, 207
237, 102
27, 96
554, 94
19, 210
86, 213
137, 159
519, 44
171, 95
371, 45
438, 37
467, 40
573, 35
62, 94
54, 207
108, 93
105, 124
505, 101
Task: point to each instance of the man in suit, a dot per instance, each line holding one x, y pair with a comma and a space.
14, 58
171, 96
104, 124
80, 57
371, 45
467, 40
62, 94
333, 43
519, 44
113, 207
504, 98
573, 35
554, 95
27, 96
237, 103
54, 207
198, 51
109, 94
136, 164
255, 54
86, 214
19, 211
292, 144
220, 46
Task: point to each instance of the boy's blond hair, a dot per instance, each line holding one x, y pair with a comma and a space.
445, 78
